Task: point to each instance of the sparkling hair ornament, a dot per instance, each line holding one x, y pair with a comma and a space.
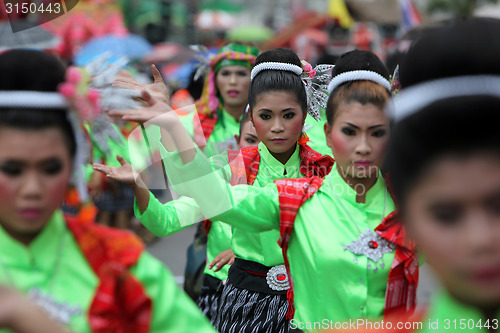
315, 81
395, 85
359, 75
99, 77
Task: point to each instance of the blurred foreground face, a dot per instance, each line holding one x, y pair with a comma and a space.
35, 167
453, 212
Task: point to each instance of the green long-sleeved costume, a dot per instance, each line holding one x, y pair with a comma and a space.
54, 264
330, 282
261, 247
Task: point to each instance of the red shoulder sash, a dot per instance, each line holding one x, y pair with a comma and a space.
292, 195
120, 303
203, 127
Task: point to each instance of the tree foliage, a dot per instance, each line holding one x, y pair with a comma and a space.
458, 8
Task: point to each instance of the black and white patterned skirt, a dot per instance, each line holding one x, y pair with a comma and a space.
211, 291
248, 304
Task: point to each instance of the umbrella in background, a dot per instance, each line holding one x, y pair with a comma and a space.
214, 20
84, 22
130, 46
250, 33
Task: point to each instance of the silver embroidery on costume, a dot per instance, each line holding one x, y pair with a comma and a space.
61, 312
361, 246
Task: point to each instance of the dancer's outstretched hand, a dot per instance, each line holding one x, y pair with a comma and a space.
156, 113
124, 173
158, 89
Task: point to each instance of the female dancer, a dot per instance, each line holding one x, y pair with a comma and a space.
450, 199
278, 107
87, 277
345, 228
212, 126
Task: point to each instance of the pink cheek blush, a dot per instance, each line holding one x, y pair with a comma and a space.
6, 192
260, 128
57, 191
296, 126
340, 144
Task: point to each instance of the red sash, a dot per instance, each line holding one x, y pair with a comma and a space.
120, 303
403, 276
203, 127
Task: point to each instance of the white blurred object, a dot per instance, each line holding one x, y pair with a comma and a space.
214, 19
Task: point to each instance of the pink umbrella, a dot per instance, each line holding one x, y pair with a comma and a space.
87, 21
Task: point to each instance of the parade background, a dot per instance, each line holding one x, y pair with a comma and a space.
161, 31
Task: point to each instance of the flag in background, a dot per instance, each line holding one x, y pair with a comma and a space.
338, 10
409, 14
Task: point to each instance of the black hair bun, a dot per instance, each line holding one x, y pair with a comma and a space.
462, 47
30, 70
360, 60
279, 55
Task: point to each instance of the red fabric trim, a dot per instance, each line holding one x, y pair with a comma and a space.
120, 303
292, 194
403, 276
244, 170
203, 127
313, 163
255, 273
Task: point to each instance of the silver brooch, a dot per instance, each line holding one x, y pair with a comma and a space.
277, 279
371, 245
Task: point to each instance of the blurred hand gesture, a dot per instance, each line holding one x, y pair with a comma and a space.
157, 113
124, 173
158, 89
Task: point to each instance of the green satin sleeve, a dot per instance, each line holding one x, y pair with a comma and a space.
169, 218
446, 314
316, 133
243, 206
173, 311
166, 219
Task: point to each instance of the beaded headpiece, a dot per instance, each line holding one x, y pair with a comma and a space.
315, 81
361, 75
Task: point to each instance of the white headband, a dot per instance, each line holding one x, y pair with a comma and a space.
358, 76
32, 99
275, 66
415, 98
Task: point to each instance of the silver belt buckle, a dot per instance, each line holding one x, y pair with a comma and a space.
277, 279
